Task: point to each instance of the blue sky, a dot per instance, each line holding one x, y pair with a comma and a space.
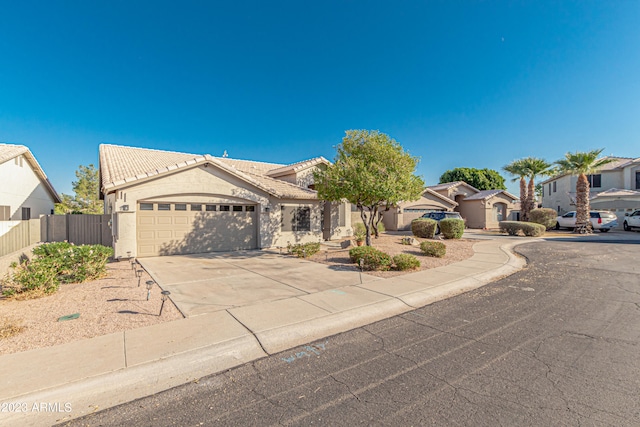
457, 83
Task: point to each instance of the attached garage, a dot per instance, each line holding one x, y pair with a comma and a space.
185, 228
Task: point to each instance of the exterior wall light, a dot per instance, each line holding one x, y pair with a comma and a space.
124, 207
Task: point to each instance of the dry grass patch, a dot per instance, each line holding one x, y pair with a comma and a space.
9, 328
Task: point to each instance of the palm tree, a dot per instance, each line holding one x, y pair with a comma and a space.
581, 164
518, 169
535, 167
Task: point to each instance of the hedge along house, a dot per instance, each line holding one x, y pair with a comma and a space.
165, 203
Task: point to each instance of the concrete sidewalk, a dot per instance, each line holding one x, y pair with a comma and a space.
53, 384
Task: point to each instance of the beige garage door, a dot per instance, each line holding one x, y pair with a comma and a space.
188, 228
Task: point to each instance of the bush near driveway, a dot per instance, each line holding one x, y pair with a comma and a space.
404, 262
424, 227
304, 250
56, 263
452, 228
434, 249
544, 216
530, 229
372, 258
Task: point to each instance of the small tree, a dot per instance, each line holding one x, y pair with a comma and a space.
87, 193
482, 179
371, 171
580, 164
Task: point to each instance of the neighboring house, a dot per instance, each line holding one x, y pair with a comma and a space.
480, 209
165, 203
400, 217
616, 187
25, 192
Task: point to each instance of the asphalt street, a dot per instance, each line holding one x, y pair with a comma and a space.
554, 344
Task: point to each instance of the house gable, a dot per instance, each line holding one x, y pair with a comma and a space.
24, 184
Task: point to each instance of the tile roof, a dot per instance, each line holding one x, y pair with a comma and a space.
449, 185
487, 194
121, 165
296, 167
10, 151
617, 192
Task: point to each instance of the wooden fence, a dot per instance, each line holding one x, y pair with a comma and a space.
77, 229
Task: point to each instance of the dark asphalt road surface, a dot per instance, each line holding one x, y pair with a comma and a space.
555, 344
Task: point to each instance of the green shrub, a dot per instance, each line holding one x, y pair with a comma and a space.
424, 227
545, 216
452, 228
404, 262
372, 258
514, 228
433, 249
533, 230
304, 250
56, 263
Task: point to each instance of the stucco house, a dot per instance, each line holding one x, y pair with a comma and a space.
164, 203
616, 187
480, 209
26, 192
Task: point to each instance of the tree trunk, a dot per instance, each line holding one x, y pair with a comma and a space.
367, 224
524, 206
583, 220
531, 196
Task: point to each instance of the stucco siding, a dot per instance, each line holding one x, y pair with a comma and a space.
21, 187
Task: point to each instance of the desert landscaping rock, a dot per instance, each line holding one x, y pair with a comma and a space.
110, 304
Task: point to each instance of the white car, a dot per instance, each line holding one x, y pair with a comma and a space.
632, 220
600, 220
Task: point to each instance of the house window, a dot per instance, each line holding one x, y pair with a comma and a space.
549, 188
164, 206
296, 218
237, 208
180, 207
224, 208
211, 208
196, 207
554, 186
146, 206
638, 180
595, 181
250, 208
26, 213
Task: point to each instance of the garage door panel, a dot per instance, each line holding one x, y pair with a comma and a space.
171, 232
146, 220
182, 221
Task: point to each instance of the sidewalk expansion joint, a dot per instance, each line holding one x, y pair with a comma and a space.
124, 342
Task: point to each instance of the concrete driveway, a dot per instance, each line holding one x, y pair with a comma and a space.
204, 283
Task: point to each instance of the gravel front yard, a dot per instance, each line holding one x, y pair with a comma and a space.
457, 250
110, 304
